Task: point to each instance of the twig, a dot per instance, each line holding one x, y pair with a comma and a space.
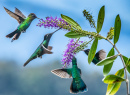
127, 81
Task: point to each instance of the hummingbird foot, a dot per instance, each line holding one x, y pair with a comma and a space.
12, 40
41, 57
23, 31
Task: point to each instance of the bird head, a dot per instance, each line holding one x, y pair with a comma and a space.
87, 51
32, 16
48, 36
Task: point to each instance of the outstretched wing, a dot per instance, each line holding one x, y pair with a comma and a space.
18, 12
14, 15
100, 55
63, 73
47, 50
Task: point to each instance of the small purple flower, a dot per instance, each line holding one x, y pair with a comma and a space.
51, 22
69, 52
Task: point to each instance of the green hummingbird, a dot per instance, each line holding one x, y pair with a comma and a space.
100, 55
77, 84
43, 48
24, 22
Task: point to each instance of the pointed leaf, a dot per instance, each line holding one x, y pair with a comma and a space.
71, 21
125, 59
110, 79
108, 67
117, 28
107, 60
72, 34
120, 73
92, 50
101, 16
113, 88
127, 63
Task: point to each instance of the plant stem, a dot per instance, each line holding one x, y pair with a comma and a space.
127, 81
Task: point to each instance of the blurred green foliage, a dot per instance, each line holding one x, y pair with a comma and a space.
17, 80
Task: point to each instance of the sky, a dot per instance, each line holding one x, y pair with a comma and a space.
21, 49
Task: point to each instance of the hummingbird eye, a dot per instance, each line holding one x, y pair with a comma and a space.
46, 35
33, 15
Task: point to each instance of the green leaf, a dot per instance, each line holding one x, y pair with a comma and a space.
120, 73
117, 28
127, 63
110, 79
92, 50
113, 88
101, 16
107, 60
72, 34
108, 67
71, 21
125, 59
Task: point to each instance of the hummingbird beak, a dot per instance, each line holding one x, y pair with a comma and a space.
56, 31
38, 18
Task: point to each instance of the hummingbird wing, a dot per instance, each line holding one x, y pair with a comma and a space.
49, 47
47, 50
63, 73
100, 55
14, 15
18, 12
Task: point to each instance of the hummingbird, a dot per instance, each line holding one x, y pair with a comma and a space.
77, 84
43, 48
24, 22
100, 55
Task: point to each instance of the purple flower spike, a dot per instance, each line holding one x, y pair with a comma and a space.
51, 22
69, 52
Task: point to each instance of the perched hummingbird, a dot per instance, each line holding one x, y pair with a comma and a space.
100, 55
24, 22
43, 48
77, 84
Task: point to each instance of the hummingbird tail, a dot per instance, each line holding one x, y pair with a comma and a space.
77, 86
27, 62
11, 34
16, 36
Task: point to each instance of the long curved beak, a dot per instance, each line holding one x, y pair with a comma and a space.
56, 31
38, 18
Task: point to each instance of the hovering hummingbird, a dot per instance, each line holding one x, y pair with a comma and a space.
77, 84
43, 48
100, 55
24, 22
